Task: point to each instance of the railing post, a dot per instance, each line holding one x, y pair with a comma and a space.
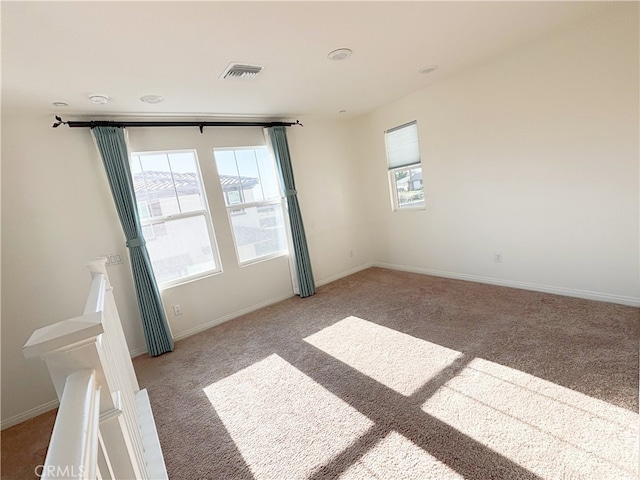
75, 451
81, 344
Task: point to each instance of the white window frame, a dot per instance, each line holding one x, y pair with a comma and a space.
240, 206
205, 212
393, 187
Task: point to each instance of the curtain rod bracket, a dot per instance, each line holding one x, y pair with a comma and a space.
201, 127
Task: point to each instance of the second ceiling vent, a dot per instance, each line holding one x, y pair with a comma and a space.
241, 71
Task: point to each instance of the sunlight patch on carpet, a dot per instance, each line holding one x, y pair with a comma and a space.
397, 360
551, 430
284, 424
395, 456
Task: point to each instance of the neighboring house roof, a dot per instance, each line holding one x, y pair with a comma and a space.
163, 181
230, 182
413, 176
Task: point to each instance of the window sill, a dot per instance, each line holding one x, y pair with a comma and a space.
262, 259
410, 209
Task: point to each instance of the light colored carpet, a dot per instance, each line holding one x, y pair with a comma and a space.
24, 447
392, 375
389, 375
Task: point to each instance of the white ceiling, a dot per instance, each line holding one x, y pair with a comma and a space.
64, 51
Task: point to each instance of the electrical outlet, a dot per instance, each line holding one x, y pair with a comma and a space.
497, 257
177, 309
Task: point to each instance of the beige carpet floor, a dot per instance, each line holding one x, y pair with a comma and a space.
392, 375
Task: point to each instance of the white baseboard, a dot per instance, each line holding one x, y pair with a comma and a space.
142, 350
231, 316
137, 352
568, 292
34, 412
343, 274
601, 297
205, 326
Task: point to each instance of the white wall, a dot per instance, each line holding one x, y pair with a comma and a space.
533, 155
57, 213
331, 197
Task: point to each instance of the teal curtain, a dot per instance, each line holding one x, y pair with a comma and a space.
113, 149
278, 136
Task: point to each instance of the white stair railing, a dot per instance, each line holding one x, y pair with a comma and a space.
74, 453
104, 428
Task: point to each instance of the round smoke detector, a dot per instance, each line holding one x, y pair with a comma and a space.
339, 54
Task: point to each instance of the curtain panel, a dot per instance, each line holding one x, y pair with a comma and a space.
304, 274
112, 146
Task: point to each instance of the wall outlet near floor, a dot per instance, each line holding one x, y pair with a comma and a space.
497, 257
177, 309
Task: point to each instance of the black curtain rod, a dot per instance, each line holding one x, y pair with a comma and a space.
201, 125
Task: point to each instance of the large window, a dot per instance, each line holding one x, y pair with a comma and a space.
175, 218
254, 202
405, 170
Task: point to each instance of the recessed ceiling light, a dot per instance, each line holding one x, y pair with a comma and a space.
60, 104
428, 69
98, 99
339, 54
152, 98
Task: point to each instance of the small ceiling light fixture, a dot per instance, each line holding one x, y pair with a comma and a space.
428, 69
339, 54
152, 99
60, 104
98, 99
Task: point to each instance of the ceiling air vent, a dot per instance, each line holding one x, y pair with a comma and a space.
241, 71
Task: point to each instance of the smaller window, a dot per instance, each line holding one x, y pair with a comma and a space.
405, 169
254, 202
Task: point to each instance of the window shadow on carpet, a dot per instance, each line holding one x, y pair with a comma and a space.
385, 372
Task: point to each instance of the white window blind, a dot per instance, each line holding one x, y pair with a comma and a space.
402, 145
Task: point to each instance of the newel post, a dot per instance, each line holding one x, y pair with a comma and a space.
78, 344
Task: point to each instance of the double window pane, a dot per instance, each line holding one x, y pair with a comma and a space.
174, 216
252, 195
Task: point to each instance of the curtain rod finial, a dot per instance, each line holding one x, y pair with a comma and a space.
59, 122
